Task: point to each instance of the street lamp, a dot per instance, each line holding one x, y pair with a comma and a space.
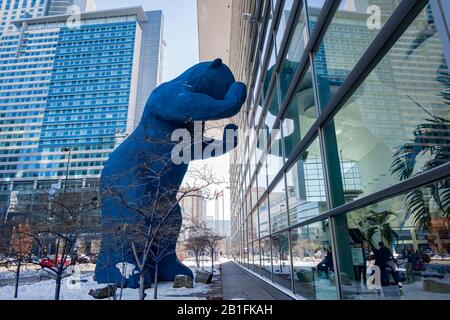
67, 149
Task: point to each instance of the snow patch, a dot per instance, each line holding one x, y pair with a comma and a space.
126, 269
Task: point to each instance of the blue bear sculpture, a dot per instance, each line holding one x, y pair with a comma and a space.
139, 175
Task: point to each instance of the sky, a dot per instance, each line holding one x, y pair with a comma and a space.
180, 30
180, 53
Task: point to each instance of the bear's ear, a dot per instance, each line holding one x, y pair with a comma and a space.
216, 63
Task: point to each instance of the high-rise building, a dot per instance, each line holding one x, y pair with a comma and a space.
56, 7
70, 93
355, 96
194, 207
11, 10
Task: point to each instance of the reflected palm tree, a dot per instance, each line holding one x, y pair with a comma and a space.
430, 137
379, 223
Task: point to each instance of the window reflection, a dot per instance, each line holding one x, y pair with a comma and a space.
285, 12
275, 156
278, 210
306, 186
407, 238
269, 73
313, 263
295, 49
345, 41
266, 260
255, 222
300, 115
256, 259
262, 179
268, 34
281, 260
264, 219
397, 123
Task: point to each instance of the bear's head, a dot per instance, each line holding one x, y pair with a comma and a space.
212, 78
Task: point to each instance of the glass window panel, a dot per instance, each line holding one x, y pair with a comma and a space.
281, 260
262, 179
255, 224
312, 262
412, 262
249, 202
269, 73
256, 257
268, 33
295, 49
345, 41
397, 123
249, 228
252, 159
275, 159
266, 262
278, 210
259, 109
300, 115
306, 186
254, 195
314, 8
273, 108
264, 219
284, 17
245, 243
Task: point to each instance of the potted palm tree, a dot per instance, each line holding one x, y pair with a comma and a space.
379, 224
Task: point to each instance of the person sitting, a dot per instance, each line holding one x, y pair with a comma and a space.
326, 264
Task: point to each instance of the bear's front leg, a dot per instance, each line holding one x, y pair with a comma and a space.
169, 266
117, 265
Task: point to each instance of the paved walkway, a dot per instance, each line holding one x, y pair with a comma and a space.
238, 284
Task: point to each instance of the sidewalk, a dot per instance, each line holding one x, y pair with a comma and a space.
238, 284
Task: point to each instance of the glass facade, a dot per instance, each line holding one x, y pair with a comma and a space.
69, 96
11, 10
353, 183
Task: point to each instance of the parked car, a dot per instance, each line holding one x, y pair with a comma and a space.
49, 262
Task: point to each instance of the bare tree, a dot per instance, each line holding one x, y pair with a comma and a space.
62, 217
197, 242
17, 243
212, 241
154, 236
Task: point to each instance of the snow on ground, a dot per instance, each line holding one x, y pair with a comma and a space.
45, 290
36, 271
205, 265
25, 271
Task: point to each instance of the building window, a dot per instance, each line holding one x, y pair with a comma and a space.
300, 115
306, 186
397, 124
313, 262
414, 229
